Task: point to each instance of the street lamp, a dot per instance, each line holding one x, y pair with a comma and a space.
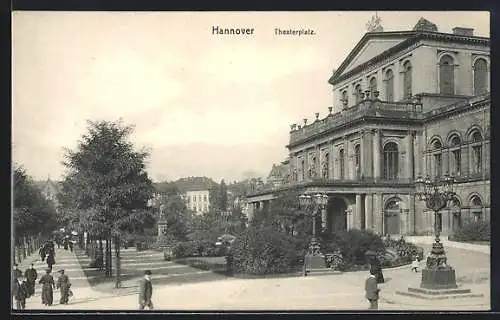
313, 203
436, 194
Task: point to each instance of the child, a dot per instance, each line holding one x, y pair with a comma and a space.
415, 264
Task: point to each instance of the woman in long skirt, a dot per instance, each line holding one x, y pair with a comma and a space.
48, 284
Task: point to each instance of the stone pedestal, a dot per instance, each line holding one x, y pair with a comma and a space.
314, 262
438, 279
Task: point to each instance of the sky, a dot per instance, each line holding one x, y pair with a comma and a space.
209, 105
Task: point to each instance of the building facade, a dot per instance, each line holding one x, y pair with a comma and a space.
198, 200
406, 104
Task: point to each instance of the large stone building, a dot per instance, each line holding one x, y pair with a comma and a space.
405, 104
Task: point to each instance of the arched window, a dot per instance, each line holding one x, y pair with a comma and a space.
342, 164
407, 80
357, 93
477, 152
476, 207
389, 86
438, 158
391, 161
456, 166
480, 76
357, 153
345, 99
373, 87
446, 75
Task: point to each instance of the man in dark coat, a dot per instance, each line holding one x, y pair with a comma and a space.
31, 276
63, 284
372, 290
20, 293
47, 283
146, 291
51, 260
16, 273
376, 268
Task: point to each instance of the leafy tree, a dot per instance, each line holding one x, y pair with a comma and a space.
32, 213
107, 183
177, 215
222, 201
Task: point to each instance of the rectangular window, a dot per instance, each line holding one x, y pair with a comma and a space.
438, 165
477, 159
457, 161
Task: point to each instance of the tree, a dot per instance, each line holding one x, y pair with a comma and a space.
106, 181
177, 215
222, 196
32, 213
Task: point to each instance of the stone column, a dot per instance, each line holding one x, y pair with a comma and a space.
409, 155
357, 216
376, 154
346, 158
377, 213
362, 154
368, 154
369, 212
417, 155
486, 158
331, 165
411, 207
323, 219
464, 153
305, 154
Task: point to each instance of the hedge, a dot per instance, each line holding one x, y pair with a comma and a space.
473, 231
194, 249
352, 246
263, 250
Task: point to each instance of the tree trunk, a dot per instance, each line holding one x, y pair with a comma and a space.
118, 283
19, 254
23, 247
108, 258
110, 253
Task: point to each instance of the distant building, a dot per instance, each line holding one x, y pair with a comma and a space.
405, 104
198, 200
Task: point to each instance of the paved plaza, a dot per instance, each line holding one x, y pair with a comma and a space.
178, 287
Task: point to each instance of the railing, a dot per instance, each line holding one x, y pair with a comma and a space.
321, 182
379, 109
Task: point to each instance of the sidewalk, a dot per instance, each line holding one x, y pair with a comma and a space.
68, 261
447, 243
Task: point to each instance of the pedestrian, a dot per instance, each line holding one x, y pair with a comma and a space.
415, 264
66, 244
64, 285
70, 243
376, 267
51, 260
372, 290
16, 273
30, 274
42, 252
47, 288
20, 293
146, 291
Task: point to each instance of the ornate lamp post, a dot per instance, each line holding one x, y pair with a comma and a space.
314, 259
436, 194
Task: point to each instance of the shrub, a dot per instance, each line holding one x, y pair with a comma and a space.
185, 249
473, 231
352, 245
406, 251
263, 250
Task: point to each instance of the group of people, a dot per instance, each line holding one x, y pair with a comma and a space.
66, 242
23, 286
48, 254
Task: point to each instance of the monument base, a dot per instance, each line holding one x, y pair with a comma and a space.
439, 294
438, 279
314, 262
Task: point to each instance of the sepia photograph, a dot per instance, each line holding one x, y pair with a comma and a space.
250, 161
